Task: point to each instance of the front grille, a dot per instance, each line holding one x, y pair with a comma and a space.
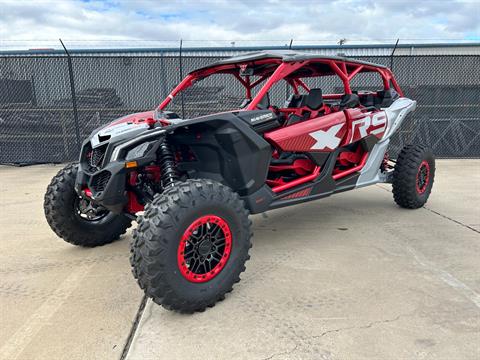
100, 181
95, 157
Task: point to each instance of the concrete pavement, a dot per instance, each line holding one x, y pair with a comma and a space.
57, 301
348, 277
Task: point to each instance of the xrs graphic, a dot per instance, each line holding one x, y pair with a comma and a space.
326, 139
374, 124
192, 183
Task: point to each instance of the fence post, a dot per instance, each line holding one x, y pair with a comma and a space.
181, 76
286, 84
74, 97
163, 77
393, 52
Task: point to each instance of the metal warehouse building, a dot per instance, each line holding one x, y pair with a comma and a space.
347, 50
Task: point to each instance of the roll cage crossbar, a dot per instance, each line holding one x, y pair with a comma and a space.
274, 70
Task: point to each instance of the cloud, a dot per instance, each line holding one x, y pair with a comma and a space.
222, 20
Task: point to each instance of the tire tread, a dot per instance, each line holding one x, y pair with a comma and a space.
404, 176
55, 206
151, 239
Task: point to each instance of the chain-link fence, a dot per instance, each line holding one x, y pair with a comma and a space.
49, 104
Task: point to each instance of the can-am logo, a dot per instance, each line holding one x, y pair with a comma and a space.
261, 118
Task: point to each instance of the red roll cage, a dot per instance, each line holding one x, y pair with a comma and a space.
275, 68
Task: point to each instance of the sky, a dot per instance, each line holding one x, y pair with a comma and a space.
93, 23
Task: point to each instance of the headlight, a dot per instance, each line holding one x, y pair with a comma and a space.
138, 151
150, 138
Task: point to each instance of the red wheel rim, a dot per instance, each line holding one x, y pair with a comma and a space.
423, 177
204, 248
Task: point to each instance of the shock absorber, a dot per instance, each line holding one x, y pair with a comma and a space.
167, 165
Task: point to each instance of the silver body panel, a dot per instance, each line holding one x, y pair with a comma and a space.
396, 113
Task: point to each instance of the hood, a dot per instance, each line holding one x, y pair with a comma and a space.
122, 128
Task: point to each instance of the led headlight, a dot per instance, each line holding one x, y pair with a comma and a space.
154, 135
138, 151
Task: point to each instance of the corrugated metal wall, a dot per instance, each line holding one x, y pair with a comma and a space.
348, 50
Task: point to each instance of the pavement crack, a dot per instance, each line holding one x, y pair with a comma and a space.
368, 326
453, 220
134, 327
288, 352
440, 214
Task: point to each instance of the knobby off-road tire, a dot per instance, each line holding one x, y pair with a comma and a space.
184, 215
413, 176
60, 207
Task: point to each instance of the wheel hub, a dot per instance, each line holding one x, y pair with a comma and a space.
204, 248
423, 177
88, 210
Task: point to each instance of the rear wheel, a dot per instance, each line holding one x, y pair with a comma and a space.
191, 245
77, 220
413, 176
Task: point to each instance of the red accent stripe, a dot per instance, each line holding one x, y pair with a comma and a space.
298, 194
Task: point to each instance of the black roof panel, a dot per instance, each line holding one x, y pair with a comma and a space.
283, 55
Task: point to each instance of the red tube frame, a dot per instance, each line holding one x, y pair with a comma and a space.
316, 172
338, 67
296, 182
352, 170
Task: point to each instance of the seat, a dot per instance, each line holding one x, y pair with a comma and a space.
385, 98
349, 101
264, 103
306, 106
293, 119
294, 101
287, 158
314, 99
367, 100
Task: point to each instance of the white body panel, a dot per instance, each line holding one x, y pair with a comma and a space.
396, 113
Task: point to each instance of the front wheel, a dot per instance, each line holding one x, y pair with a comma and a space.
413, 176
191, 245
76, 220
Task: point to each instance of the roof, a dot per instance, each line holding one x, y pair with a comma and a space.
284, 56
435, 48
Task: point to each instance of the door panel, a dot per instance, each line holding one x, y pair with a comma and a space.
324, 133
362, 123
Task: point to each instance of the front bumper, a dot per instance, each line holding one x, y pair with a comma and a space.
107, 185
102, 169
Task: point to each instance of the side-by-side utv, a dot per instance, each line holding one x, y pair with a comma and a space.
191, 183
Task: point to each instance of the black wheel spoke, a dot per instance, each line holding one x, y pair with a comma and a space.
217, 256
219, 241
196, 265
189, 252
215, 231
208, 266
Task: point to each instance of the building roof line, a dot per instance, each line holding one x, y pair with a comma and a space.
233, 48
